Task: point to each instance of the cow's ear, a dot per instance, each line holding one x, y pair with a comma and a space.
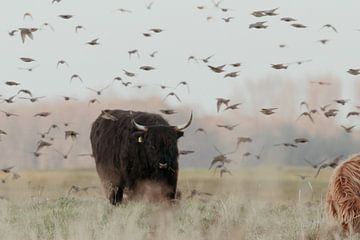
138, 136
179, 134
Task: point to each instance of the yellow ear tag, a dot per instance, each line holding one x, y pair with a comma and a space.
140, 139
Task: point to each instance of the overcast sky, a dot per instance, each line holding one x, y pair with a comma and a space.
186, 32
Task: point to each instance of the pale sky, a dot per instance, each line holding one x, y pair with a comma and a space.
186, 32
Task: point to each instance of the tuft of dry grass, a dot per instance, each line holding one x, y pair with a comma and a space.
242, 207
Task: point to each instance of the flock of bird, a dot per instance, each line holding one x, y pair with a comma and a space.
221, 104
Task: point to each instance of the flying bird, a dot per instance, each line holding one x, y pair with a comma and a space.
126, 83
304, 103
227, 126
93, 42
8, 114
66, 16
321, 83
76, 76
279, 66
268, 111
67, 98
221, 158
10, 99
12, 83
233, 106
329, 26
149, 5
218, 69
200, 130
45, 24
186, 152
288, 19
298, 25
286, 145
27, 33
237, 64
353, 113
331, 113
32, 99
324, 41
122, 10
27, 59
94, 100
129, 74
354, 71
262, 13
134, 51
147, 68
241, 140
183, 83
12, 32
333, 164
207, 59
258, 25
221, 101
7, 169
227, 19
2, 132
348, 129
42, 144
156, 30
232, 74
79, 27
301, 140
314, 165
72, 134
306, 114
62, 62
323, 108
341, 101
152, 54
172, 94
99, 92
42, 114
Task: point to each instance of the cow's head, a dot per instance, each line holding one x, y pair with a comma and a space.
160, 142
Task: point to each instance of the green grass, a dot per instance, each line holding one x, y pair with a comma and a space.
253, 203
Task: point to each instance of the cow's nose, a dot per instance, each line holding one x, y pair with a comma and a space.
162, 165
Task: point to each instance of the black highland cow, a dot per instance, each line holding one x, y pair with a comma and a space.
131, 148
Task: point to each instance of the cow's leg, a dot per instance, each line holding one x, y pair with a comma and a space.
116, 195
172, 188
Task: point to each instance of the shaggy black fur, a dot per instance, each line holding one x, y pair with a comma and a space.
125, 157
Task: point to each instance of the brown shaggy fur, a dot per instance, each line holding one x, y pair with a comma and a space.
343, 196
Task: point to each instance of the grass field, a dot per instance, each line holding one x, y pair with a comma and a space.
253, 203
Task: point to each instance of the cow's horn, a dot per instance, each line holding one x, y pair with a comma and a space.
139, 126
182, 127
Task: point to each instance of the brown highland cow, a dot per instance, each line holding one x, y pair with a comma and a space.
343, 196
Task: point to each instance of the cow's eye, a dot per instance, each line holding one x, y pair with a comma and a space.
140, 139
